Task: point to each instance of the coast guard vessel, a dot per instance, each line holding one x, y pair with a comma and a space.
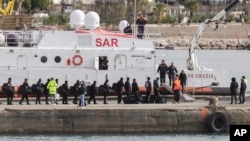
90, 54
82, 54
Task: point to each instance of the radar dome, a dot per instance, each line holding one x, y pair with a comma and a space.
77, 19
92, 20
2, 40
122, 25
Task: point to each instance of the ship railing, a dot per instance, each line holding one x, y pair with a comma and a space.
20, 38
133, 30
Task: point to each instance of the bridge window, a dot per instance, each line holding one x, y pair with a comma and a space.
103, 63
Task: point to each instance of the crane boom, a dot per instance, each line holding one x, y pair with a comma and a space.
192, 63
8, 10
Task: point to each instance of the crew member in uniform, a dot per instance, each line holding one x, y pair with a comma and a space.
162, 69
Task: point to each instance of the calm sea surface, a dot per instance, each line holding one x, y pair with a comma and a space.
236, 62
118, 137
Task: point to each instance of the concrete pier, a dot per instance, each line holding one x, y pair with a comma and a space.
189, 117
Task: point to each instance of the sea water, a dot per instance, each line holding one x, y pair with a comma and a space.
237, 62
118, 137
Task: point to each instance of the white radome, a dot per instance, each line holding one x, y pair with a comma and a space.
122, 25
77, 19
92, 20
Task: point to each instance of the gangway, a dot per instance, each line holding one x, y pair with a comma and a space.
186, 97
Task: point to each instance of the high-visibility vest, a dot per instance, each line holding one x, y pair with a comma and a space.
177, 85
52, 87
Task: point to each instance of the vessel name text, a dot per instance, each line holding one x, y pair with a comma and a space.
200, 75
113, 42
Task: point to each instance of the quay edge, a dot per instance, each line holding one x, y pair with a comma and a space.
122, 120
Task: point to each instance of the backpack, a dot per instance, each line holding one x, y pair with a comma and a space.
5, 87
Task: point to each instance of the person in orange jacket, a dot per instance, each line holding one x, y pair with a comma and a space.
177, 89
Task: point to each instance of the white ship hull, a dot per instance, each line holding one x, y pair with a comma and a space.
77, 55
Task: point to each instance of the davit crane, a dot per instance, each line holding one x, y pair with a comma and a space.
192, 63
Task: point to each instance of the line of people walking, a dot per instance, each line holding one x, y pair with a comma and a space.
152, 92
52, 89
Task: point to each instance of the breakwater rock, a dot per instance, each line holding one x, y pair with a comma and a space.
229, 36
185, 43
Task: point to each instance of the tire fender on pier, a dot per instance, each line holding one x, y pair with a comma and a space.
217, 122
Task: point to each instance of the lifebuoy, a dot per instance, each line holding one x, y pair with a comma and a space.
217, 122
77, 60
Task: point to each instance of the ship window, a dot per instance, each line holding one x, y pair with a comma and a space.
57, 59
44, 59
103, 63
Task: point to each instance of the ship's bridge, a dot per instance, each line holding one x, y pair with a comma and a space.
96, 39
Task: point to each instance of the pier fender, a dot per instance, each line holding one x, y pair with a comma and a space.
217, 122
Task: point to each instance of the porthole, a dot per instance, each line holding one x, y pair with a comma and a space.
44, 59
57, 59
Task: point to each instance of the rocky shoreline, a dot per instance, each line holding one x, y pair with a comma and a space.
231, 36
209, 44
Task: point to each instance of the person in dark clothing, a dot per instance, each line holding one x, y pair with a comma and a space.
119, 88
65, 91
243, 88
183, 79
92, 92
127, 87
106, 91
162, 69
57, 82
9, 90
156, 89
24, 90
135, 89
82, 91
46, 91
76, 87
39, 89
141, 21
233, 88
171, 73
148, 87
